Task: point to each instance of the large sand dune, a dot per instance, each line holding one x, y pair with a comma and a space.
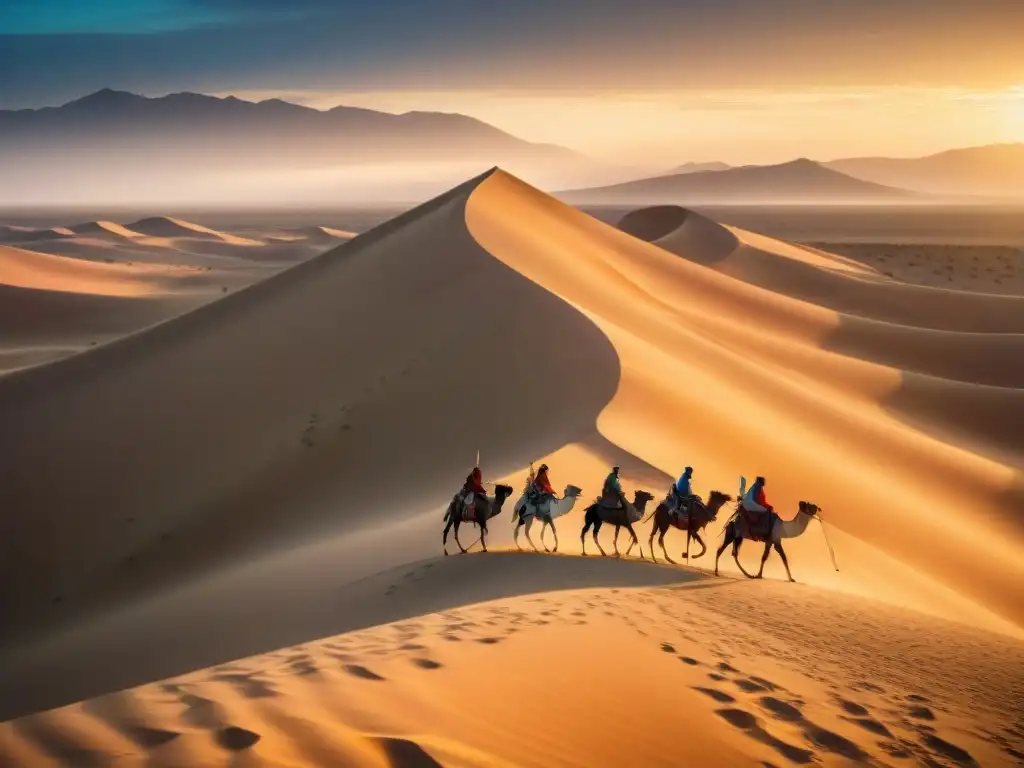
226, 484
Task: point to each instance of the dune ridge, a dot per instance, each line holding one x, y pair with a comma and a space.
314, 460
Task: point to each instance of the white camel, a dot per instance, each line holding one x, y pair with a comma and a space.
549, 510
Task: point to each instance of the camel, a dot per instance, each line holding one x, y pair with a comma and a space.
694, 520
550, 509
737, 529
597, 514
456, 515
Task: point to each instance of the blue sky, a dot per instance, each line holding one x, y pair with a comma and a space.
54, 50
739, 75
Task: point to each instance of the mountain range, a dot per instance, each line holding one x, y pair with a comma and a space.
115, 147
996, 170
187, 144
798, 181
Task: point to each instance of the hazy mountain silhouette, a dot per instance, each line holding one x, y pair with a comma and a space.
714, 165
996, 170
115, 144
228, 128
803, 181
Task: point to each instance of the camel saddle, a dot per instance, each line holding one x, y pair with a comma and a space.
610, 500
680, 520
755, 526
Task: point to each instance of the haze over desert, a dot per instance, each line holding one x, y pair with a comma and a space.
342, 435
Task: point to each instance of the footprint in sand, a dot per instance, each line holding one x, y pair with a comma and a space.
687, 660
748, 723
947, 750
921, 713
361, 672
668, 648
489, 640
719, 696
201, 713
426, 664
235, 739
249, 685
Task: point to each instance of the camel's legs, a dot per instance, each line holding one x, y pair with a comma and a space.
583, 533
635, 542
736, 556
615, 541
529, 525
730, 536
597, 527
515, 534
785, 561
543, 530
703, 547
686, 554
444, 536
483, 535
650, 541
764, 558
661, 543
458, 522
554, 532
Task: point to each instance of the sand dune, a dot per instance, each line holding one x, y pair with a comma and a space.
163, 226
104, 229
722, 681
264, 465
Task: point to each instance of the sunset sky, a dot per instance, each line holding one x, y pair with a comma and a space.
641, 81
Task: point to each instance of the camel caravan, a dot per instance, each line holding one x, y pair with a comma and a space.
753, 518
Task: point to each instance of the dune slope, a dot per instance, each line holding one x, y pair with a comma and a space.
263, 456
287, 410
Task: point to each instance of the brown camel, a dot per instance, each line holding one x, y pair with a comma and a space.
597, 514
777, 529
482, 511
693, 520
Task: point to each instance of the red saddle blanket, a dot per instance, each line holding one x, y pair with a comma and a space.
680, 521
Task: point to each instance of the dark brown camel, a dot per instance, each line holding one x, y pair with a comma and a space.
738, 529
693, 520
454, 515
597, 514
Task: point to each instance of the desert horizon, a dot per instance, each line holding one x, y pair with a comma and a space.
614, 384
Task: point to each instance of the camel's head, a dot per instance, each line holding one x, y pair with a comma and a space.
572, 491
502, 492
716, 499
640, 498
809, 509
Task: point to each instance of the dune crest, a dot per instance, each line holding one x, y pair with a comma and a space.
293, 484
769, 382
167, 227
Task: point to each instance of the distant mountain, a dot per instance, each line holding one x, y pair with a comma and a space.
114, 140
996, 170
799, 181
700, 167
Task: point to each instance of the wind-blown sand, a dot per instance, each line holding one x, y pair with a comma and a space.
270, 477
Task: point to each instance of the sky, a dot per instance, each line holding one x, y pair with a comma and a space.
635, 81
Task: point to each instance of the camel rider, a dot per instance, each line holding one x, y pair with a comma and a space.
682, 491
542, 489
754, 504
473, 487
611, 493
